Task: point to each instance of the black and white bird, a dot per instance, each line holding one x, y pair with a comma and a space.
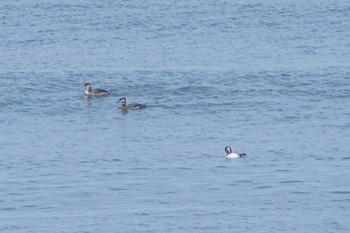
230, 154
95, 92
133, 106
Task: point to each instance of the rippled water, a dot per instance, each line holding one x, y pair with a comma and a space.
269, 78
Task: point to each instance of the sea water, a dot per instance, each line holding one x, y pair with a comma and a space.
268, 78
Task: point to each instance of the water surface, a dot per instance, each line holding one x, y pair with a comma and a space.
270, 79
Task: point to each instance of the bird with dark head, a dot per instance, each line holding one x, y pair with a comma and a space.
95, 92
133, 106
230, 154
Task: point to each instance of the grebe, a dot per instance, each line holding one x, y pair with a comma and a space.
231, 155
133, 106
96, 92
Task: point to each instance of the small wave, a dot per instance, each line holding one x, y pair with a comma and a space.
264, 187
299, 192
340, 192
291, 181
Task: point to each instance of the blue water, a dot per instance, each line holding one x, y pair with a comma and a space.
269, 78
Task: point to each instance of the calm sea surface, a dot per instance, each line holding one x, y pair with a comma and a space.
269, 78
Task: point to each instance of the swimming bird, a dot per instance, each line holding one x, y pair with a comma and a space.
133, 106
231, 155
96, 92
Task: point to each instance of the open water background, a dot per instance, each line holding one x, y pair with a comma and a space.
270, 78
